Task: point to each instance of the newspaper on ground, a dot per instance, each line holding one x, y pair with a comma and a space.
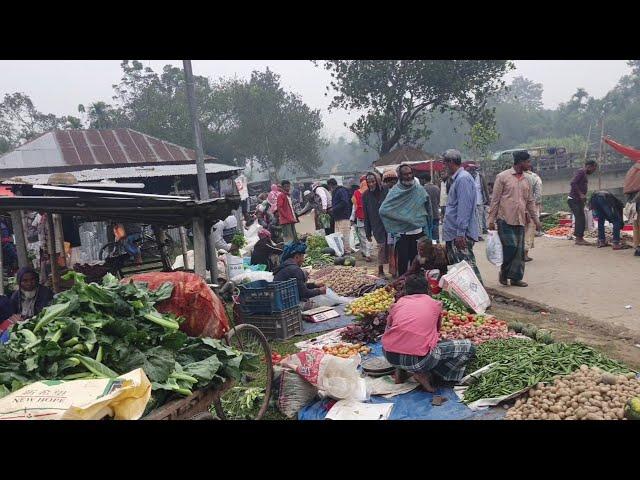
352, 410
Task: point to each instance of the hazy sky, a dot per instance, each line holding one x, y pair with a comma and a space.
59, 86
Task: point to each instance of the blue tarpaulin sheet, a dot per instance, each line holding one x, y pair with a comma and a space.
415, 405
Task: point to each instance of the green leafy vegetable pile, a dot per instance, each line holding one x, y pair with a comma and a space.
522, 364
98, 331
314, 256
450, 303
238, 240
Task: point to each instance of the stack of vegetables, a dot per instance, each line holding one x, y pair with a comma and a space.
586, 394
318, 252
366, 330
559, 231
520, 364
102, 331
451, 304
477, 328
377, 301
551, 221
344, 281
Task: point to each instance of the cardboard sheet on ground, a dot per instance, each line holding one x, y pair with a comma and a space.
351, 410
342, 321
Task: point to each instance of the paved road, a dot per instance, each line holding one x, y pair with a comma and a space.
597, 283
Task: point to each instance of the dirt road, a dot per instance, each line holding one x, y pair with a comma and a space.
593, 282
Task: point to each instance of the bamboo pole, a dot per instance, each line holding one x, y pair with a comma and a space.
601, 152
586, 148
1, 272
183, 238
52, 254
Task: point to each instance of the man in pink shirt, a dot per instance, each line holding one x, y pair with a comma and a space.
411, 340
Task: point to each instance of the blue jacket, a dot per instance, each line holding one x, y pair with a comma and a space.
341, 204
290, 269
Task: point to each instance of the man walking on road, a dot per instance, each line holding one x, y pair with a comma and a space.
341, 211
460, 228
511, 202
286, 214
530, 230
577, 199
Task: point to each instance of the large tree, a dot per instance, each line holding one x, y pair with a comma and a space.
275, 127
396, 96
524, 92
21, 121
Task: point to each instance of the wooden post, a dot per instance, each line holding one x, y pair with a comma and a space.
59, 237
183, 237
18, 232
51, 247
1, 272
586, 148
600, 158
161, 240
199, 247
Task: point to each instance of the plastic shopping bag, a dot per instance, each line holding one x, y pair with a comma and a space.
590, 224
329, 299
462, 282
494, 248
354, 241
335, 241
334, 377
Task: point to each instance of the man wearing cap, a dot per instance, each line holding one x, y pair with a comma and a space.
512, 205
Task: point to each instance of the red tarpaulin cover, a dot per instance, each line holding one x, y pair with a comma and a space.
192, 299
632, 153
632, 179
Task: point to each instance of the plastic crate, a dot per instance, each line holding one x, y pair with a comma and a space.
264, 298
279, 326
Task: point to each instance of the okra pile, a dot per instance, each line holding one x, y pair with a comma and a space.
107, 330
522, 364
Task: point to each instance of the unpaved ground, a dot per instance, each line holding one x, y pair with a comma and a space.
578, 293
593, 282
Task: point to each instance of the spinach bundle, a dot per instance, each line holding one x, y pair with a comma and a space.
93, 331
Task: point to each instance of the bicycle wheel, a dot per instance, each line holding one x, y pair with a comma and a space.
255, 386
110, 250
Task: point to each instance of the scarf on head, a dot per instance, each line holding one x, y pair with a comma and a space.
290, 249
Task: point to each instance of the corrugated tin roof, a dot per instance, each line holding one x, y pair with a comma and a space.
76, 148
96, 174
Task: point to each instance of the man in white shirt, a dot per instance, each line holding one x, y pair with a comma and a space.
530, 231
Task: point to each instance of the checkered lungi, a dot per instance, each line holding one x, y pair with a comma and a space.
448, 360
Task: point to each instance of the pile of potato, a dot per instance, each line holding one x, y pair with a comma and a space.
345, 281
586, 394
346, 350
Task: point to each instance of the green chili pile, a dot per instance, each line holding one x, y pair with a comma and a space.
522, 364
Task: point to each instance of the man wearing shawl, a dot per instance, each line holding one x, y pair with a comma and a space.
290, 267
406, 215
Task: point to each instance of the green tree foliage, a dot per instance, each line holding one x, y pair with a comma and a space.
275, 127
396, 96
21, 121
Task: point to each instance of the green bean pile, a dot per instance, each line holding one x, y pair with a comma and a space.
522, 364
449, 303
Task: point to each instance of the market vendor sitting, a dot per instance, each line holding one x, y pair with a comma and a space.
429, 257
290, 267
410, 341
31, 297
264, 249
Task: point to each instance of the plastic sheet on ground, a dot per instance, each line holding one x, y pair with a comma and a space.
415, 405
